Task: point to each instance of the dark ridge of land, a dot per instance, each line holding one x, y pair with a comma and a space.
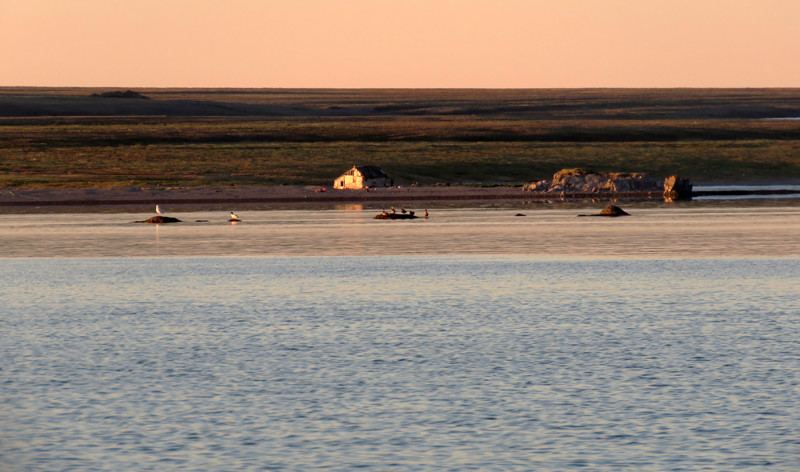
528, 104
67, 138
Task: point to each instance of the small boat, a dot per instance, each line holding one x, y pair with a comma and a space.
396, 216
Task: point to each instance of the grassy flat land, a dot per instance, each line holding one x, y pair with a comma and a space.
67, 138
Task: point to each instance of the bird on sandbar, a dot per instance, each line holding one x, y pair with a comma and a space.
158, 210
234, 216
426, 213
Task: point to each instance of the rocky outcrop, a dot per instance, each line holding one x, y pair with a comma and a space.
677, 188
586, 181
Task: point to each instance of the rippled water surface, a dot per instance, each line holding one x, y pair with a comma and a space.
475, 340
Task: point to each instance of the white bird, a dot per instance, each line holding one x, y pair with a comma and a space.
158, 210
234, 216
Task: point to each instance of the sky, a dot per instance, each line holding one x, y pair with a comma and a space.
400, 43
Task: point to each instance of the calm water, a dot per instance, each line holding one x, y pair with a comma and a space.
711, 229
475, 340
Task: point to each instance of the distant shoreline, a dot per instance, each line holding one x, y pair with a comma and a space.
13, 200
98, 199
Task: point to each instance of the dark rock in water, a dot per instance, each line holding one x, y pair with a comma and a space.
520, 214
611, 210
158, 219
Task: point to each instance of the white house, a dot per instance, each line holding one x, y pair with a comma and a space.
361, 177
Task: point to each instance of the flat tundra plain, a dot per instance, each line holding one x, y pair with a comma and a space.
69, 138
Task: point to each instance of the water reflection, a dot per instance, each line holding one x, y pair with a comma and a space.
350, 207
158, 252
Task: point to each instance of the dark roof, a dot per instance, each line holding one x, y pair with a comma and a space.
371, 172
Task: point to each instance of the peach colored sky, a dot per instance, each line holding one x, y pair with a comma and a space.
400, 43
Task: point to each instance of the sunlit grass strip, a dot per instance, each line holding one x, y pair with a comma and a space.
318, 163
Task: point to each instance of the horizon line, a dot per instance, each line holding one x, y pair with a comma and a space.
226, 87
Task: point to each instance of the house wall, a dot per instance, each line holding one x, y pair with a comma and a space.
349, 181
355, 180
